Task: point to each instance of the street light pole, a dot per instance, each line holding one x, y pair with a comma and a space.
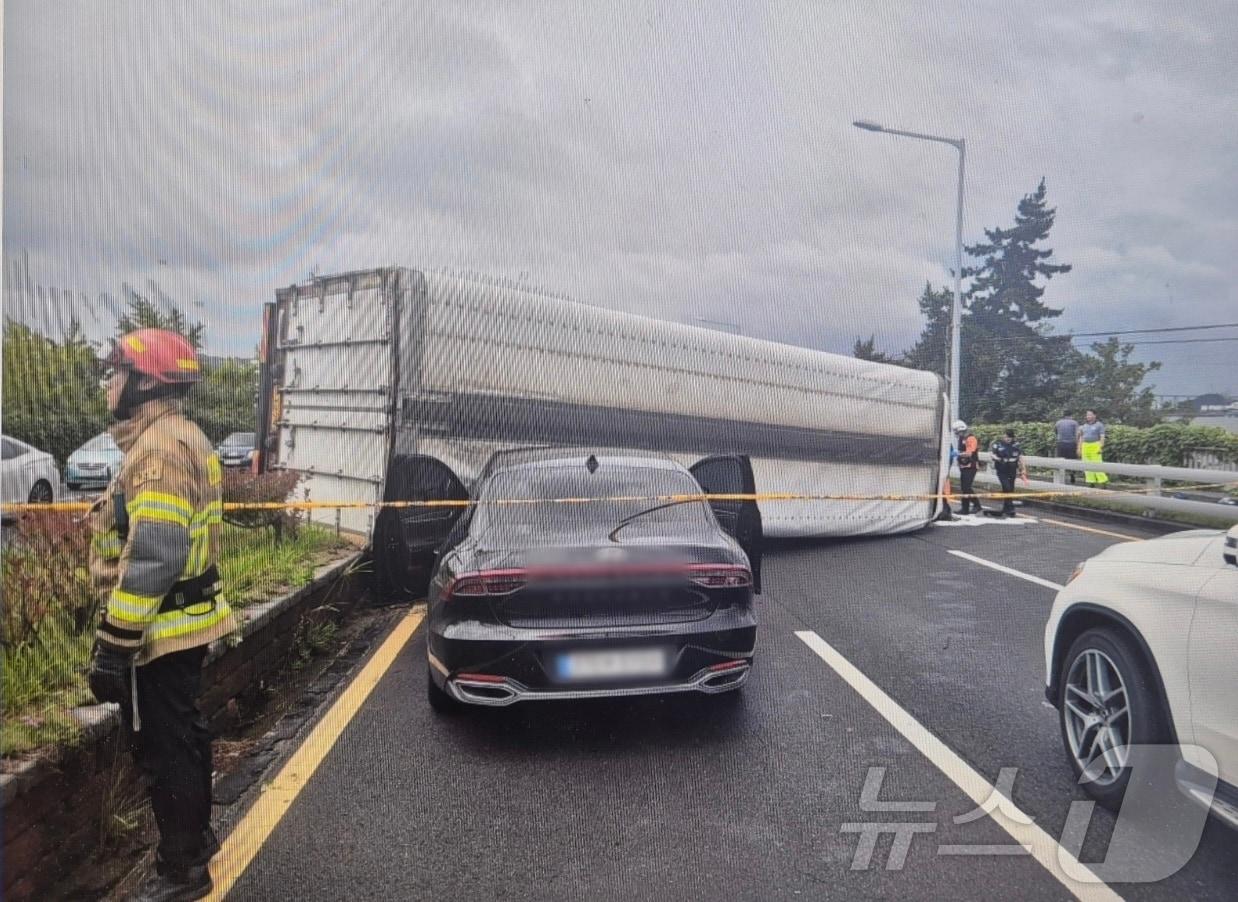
956, 309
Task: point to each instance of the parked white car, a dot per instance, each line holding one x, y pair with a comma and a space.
93, 464
28, 474
1141, 648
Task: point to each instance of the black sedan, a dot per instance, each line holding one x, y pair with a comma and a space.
629, 589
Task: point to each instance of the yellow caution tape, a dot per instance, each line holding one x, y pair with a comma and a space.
82, 506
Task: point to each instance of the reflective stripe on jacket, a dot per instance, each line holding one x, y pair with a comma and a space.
170, 485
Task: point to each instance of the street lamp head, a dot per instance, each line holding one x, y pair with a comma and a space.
867, 126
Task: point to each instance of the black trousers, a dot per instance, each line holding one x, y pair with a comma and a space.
172, 750
967, 485
1006, 478
1069, 451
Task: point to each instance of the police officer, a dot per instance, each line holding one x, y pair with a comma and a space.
968, 454
1008, 463
154, 547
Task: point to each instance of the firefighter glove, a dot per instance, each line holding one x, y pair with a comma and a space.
109, 673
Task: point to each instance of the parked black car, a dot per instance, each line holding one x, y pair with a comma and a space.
583, 599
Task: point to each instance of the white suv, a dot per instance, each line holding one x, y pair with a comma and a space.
1141, 648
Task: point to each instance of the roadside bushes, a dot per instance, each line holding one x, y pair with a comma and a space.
49, 608
46, 630
44, 570
275, 487
1166, 444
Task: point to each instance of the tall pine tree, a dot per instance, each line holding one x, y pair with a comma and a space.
144, 313
932, 349
1013, 368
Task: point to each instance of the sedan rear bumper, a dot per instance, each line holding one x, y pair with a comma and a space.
87, 477
509, 691
492, 664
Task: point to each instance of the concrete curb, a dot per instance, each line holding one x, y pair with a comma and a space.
1112, 518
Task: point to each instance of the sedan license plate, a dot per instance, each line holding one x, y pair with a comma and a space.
613, 664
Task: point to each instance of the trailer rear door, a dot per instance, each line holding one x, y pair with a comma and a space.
336, 374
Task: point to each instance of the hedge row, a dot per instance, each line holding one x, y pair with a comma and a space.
1166, 445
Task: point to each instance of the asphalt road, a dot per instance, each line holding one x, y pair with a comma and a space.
739, 798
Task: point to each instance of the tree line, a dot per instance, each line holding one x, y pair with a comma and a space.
54, 400
1014, 365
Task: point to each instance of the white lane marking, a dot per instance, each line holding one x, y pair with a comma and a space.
1004, 569
1043, 847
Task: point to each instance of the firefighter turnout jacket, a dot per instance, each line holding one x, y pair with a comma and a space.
155, 538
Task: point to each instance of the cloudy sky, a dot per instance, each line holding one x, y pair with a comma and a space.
686, 161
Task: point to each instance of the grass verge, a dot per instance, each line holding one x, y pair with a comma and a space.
49, 622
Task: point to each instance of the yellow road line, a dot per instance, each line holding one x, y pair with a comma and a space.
1100, 532
277, 797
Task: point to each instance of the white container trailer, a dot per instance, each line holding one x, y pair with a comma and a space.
362, 366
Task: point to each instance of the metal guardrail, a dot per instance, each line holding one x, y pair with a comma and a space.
1151, 499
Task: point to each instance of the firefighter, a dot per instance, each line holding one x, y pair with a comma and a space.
968, 454
154, 547
1008, 462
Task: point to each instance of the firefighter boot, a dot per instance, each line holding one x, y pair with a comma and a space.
175, 884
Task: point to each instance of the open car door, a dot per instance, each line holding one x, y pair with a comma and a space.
732, 475
406, 538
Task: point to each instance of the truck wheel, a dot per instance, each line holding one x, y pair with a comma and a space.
400, 574
384, 552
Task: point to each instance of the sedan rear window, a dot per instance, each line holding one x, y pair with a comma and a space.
574, 523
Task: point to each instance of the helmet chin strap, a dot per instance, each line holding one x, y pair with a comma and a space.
130, 397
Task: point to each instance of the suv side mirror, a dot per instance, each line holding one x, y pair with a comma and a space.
1231, 547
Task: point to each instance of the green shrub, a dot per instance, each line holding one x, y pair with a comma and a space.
46, 629
244, 487
1166, 444
44, 572
49, 611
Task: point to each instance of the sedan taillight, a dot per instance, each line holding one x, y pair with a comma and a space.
728, 576
506, 582
489, 582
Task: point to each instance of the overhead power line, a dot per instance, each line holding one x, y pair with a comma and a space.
1180, 341
998, 340
1149, 331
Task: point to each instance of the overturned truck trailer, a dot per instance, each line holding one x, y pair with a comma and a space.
363, 366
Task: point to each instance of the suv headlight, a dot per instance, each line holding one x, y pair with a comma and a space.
1075, 573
